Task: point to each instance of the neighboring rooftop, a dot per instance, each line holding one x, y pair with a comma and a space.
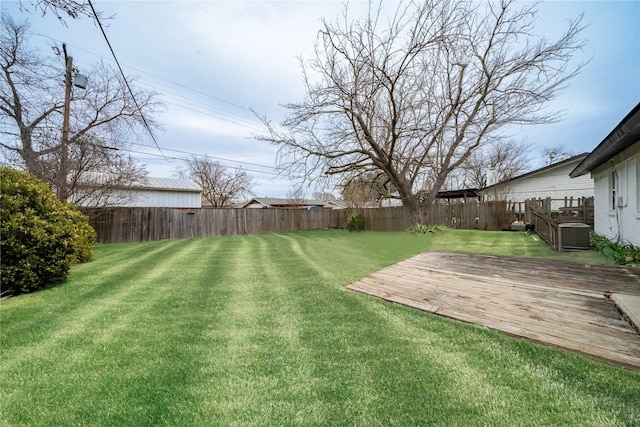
146, 183
540, 170
272, 202
173, 184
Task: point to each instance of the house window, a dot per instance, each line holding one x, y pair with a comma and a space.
613, 183
638, 184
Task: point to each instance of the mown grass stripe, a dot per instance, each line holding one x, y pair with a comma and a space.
339, 375
251, 344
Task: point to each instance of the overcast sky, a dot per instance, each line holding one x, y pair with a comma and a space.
213, 61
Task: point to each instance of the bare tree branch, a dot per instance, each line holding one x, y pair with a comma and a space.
555, 154
61, 9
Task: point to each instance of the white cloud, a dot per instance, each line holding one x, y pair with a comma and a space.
207, 126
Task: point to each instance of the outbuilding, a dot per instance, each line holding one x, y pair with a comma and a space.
146, 192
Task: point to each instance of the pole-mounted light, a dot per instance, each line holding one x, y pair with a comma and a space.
79, 80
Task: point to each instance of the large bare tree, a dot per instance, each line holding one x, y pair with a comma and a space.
413, 92
221, 187
104, 118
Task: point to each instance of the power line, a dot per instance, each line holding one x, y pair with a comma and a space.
198, 106
163, 79
248, 125
198, 103
194, 90
212, 157
135, 101
215, 116
202, 155
190, 153
177, 84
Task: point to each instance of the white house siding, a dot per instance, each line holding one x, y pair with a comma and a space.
153, 192
554, 183
621, 221
165, 199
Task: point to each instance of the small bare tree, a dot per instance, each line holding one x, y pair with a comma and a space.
324, 196
556, 154
102, 118
297, 195
414, 93
221, 187
97, 177
499, 162
359, 194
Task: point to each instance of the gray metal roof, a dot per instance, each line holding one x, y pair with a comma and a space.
92, 179
168, 184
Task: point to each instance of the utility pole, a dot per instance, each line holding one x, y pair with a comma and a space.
62, 185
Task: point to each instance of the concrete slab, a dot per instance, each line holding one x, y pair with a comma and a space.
629, 305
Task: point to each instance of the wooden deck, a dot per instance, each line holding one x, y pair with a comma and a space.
562, 304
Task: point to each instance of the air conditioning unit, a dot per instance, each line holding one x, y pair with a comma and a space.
573, 235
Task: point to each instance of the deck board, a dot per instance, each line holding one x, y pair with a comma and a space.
561, 304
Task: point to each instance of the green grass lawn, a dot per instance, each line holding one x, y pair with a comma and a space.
258, 330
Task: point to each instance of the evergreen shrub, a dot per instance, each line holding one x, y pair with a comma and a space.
355, 222
40, 237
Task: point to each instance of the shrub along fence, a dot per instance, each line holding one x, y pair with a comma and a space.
145, 224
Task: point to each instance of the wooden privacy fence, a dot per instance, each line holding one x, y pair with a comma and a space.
146, 224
